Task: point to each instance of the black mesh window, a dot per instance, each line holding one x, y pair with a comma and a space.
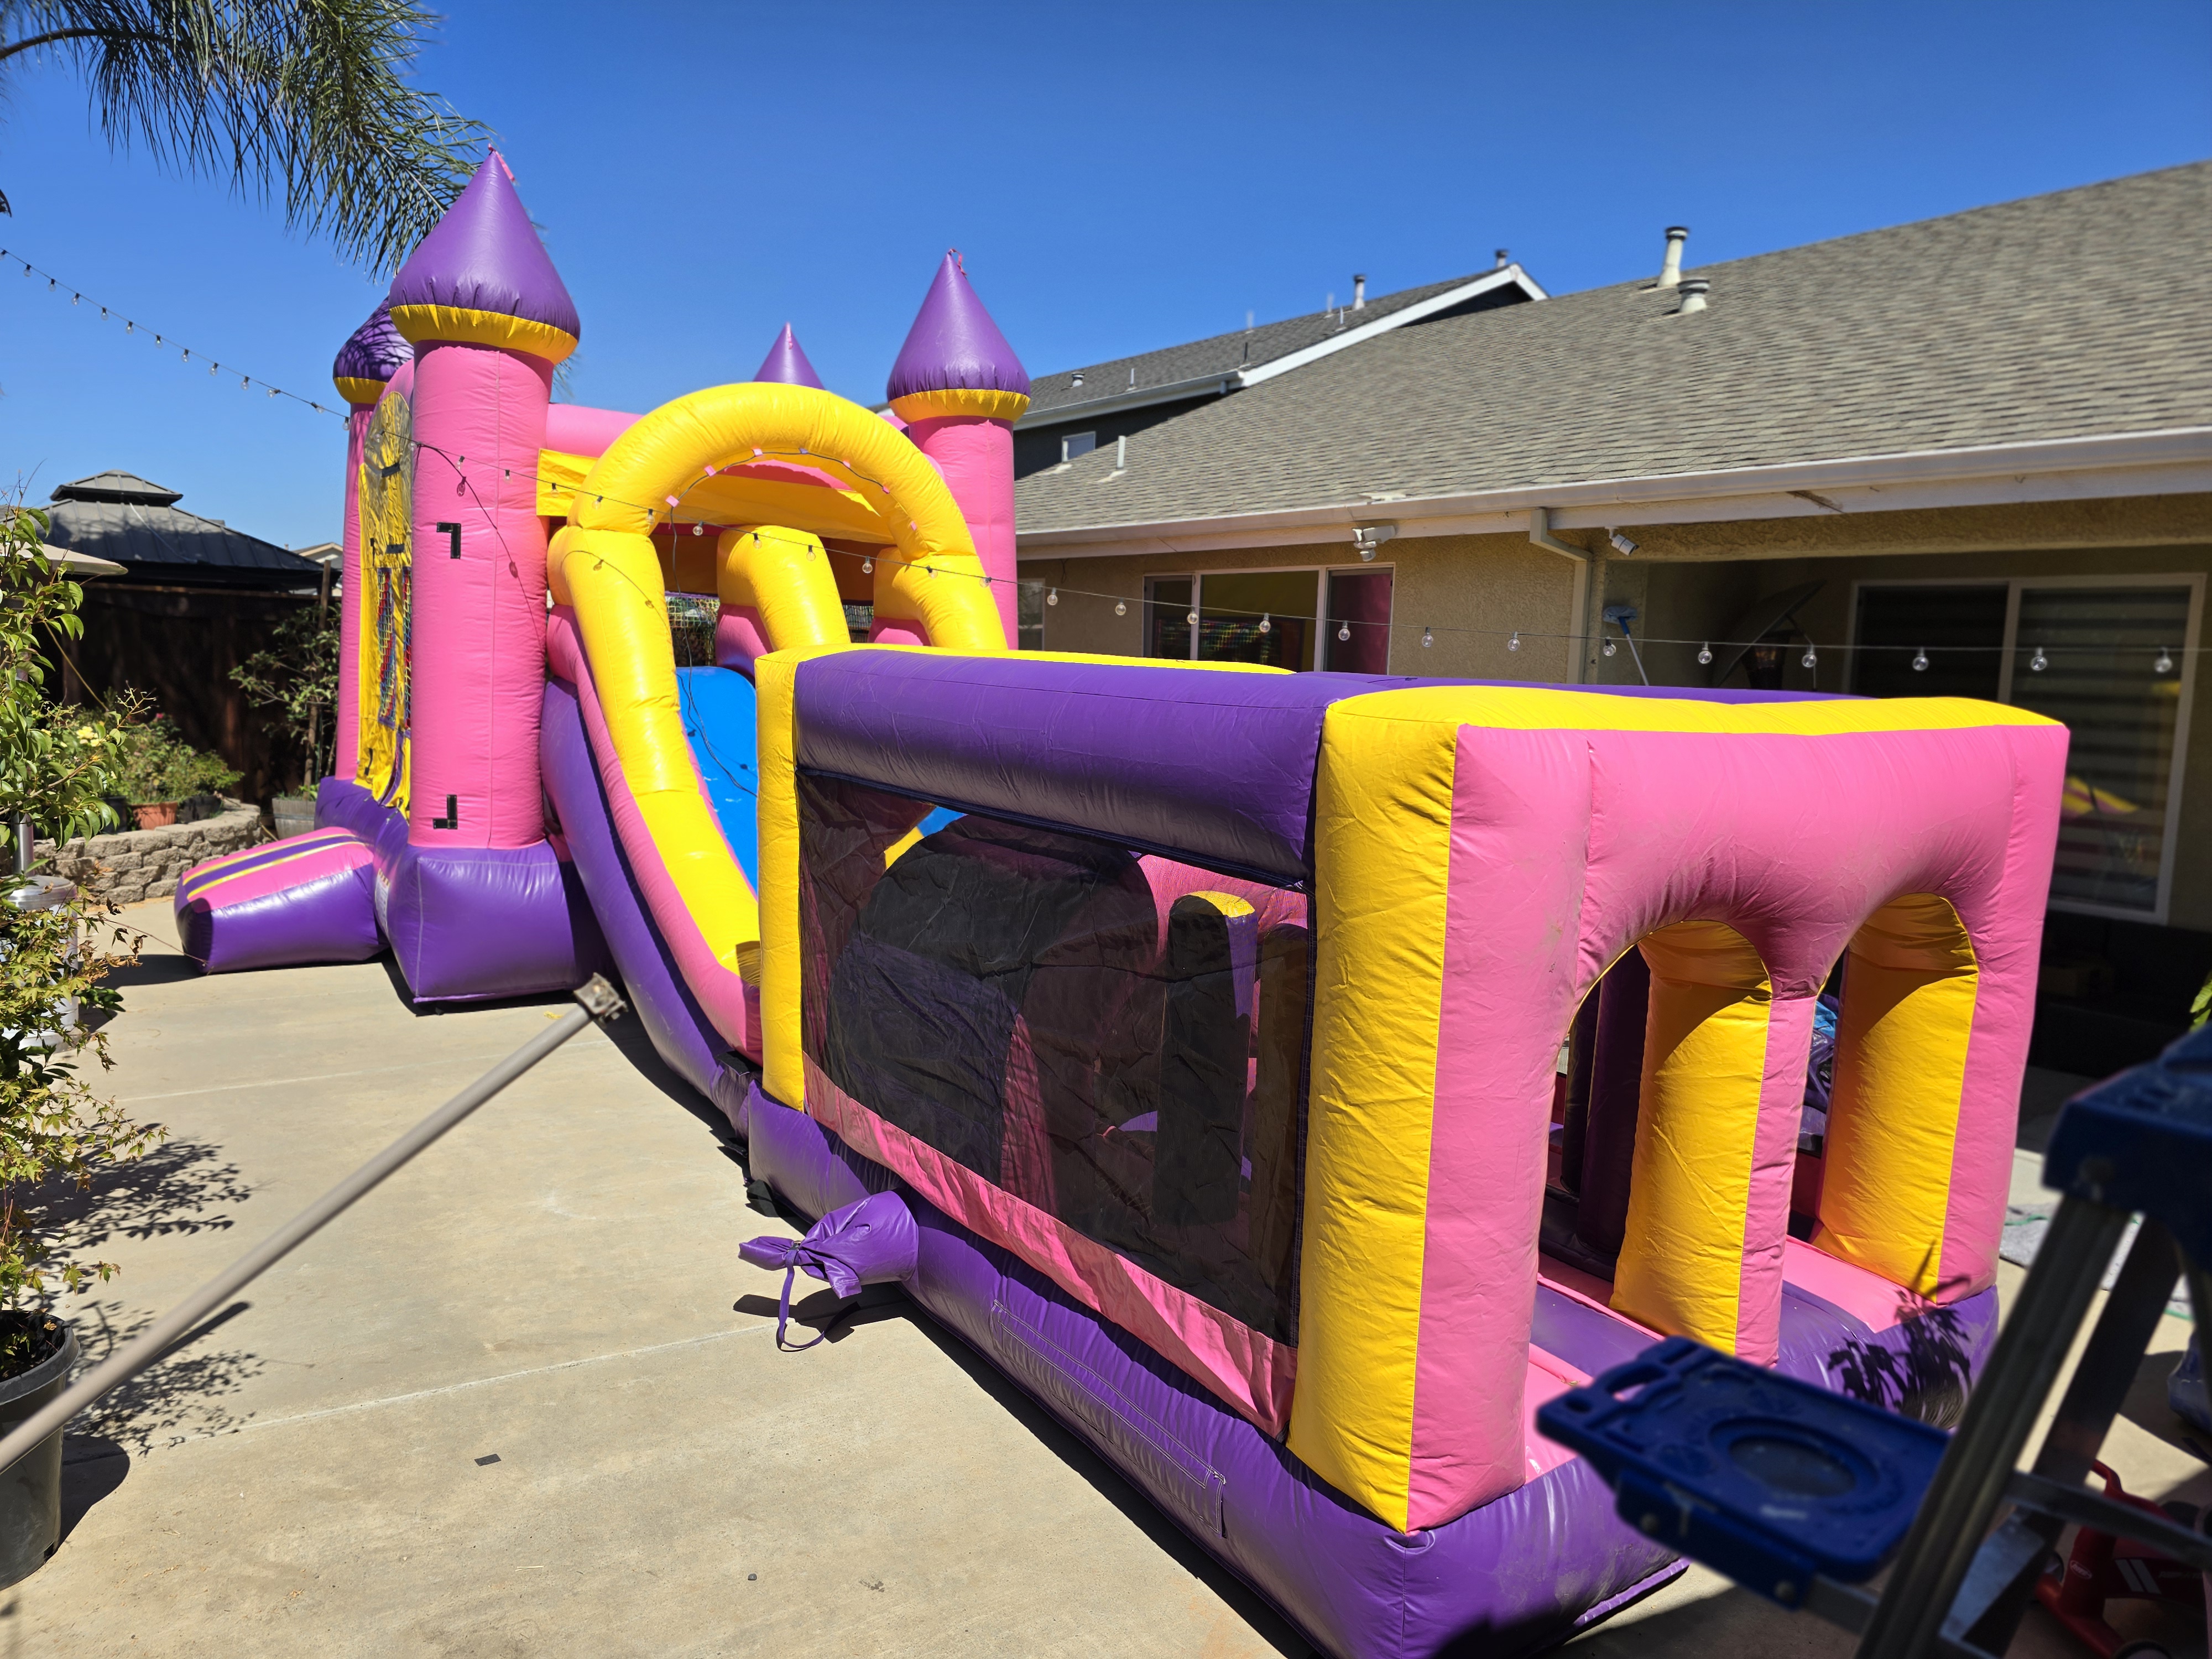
1019, 999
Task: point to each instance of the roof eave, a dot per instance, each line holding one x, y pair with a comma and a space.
2175, 461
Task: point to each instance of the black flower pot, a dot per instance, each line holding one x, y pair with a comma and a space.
31, 1491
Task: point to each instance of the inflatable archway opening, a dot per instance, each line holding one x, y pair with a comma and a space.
1495, 852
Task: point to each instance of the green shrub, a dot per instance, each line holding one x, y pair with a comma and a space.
55, 765
154, 764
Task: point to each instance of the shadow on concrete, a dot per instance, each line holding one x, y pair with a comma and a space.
179, 1188
154, 968
92, 1466
180, 1397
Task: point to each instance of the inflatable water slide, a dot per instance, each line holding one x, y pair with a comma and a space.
1291, 1080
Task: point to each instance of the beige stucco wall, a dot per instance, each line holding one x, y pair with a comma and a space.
1469, 591
1689, 583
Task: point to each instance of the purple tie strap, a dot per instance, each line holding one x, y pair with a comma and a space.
872, 1241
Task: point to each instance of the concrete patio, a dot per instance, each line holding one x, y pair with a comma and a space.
526, 1399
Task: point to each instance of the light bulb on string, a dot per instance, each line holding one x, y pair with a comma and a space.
1811, 658
1267, 621
1514, 644
1052, 596
1611, 649
1705, 652
1343, 631
1920, 661
867, 566
1427, 639
1191, 617
1120, 607
698, 529
2038, 662
2165, 663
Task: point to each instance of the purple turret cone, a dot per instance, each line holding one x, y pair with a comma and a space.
373, 351
954, 345
787, 364
485, 255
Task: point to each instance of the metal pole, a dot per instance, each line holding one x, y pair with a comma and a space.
1961, 1500
598, 1002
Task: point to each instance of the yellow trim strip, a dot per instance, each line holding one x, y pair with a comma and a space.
424, 325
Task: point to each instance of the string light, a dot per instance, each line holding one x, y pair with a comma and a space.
1343, 630
1920, 661
867, 566
1611, 649
2165, 663
1427, 639
1811, 658
1120, 607
161, 339
1192, 618
1052, 596
1705, 652
1267, 621
1514, 644
2038, 662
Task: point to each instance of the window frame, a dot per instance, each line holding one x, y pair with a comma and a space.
2178, 763
1321, 574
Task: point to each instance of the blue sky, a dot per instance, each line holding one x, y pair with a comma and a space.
1118, 178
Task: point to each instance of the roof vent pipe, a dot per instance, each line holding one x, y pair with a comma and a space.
1670, 269
1693, 293
1504, 258
1359, 291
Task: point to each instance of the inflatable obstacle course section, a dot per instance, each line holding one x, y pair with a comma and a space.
1216, 1035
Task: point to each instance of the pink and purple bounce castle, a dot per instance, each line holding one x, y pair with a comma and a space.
1291, 1080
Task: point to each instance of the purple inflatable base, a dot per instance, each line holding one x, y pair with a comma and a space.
330, 918
468, 924
1515, 1575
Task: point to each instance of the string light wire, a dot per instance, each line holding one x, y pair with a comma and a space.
161, 342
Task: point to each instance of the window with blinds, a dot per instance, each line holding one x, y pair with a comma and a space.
2106, 659
2090, 657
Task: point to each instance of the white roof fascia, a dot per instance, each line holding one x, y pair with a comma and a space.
1236, 380
1509, 277
2178, 461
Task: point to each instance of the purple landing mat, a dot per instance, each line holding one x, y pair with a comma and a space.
1216, 769
325, 915
681, 1034
1508, 1578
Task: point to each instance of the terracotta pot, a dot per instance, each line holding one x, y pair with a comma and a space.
154, 815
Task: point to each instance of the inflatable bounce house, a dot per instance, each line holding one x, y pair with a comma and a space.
1292, 1080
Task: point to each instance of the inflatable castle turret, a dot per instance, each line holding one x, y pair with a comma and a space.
959, 387
489, 317
787, 365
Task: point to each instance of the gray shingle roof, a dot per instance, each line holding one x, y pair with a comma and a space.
1222, 354
120, 516
2084, 312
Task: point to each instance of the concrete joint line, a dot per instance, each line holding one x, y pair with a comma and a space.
481, 1383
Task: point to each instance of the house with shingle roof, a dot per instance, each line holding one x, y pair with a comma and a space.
1072, 413
1968, 456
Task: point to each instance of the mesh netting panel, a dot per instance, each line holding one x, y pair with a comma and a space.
1061, 1016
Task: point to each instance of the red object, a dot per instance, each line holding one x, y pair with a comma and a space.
2102, 1568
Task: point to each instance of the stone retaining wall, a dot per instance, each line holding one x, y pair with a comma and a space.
139, 864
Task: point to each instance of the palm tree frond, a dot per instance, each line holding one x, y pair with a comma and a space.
308, 100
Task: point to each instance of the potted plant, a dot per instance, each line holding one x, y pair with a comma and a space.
157, 769
56, 946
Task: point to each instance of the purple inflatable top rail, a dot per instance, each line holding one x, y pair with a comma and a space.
1215, 769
